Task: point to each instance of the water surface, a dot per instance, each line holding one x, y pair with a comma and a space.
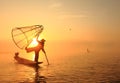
73, 63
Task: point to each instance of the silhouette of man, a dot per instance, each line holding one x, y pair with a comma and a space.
37, 49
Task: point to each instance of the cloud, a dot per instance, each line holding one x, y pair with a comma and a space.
56, 5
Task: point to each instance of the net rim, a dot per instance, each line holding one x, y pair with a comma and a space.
14, 39
28, 42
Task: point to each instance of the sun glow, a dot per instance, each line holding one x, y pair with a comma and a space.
34, 43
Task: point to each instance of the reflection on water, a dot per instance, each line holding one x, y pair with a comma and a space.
38, 77
29, 74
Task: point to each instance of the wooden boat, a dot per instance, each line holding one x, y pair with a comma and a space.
25, 61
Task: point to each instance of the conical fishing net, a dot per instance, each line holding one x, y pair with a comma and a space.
23, 36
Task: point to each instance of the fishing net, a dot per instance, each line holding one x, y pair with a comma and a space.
23, 36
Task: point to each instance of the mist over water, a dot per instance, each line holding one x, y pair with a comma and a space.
70, 62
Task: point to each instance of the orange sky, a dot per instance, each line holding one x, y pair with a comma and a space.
89, 20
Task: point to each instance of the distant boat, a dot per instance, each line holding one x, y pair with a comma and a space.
70, 29
88, 51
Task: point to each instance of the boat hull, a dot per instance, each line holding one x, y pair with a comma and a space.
26, 61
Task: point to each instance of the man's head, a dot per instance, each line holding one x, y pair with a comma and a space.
43, 40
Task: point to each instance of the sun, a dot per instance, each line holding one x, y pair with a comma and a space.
33, 43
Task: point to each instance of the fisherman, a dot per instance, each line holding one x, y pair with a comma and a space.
37, 49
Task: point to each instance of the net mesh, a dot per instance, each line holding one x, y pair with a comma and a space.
23, 36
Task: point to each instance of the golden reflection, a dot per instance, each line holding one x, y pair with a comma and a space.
38, 77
